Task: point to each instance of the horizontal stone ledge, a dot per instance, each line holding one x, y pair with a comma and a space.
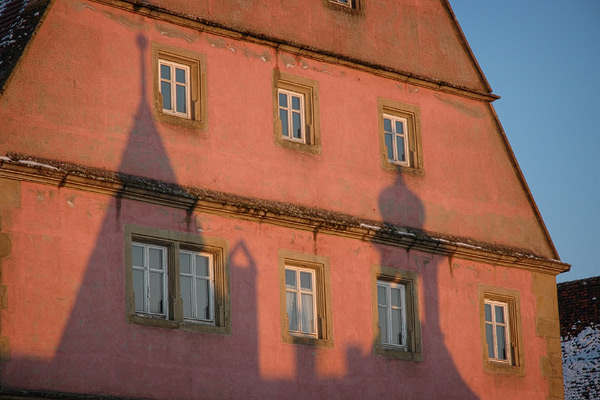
50, 172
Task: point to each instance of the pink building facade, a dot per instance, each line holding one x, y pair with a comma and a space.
242, 200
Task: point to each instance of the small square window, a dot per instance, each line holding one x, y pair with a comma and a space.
396, 323
180, 88
400, 136
176, 280
305, 299
296, 113
502, 346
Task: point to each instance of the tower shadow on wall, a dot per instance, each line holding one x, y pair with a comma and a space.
99, 351
98, 345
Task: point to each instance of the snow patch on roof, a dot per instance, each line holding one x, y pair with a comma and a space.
581, 364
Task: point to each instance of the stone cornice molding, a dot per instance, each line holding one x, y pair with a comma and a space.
275, 213
297, 49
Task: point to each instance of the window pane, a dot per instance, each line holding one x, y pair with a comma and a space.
383, 324
400, 148
501, 339
202, 266
307, 314
137, 255
156, 292
283, 116
292, 310
165, 90
202, 298
488, 313
388, 145
306, 280
396, 327
387, 125
138, 290
396, 294
156, 258
489, 337
179, 75
399, 129
297, 125
165, 72
181, 100
283, 100
381, 295
185, 263
499, 314
295, 103
290, 278
186, 296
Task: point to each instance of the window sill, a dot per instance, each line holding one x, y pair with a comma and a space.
176, 120
189, 326
306, 341
503, 368
398, 353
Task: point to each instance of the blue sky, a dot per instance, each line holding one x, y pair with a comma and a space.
543, 59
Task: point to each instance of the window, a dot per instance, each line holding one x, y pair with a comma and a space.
347, 3
396, 323
396, 143
305, 299
291, 115
180, 88
175, 88
391, 311
296, 113
497, 333
350, 6
501, 330
176, 280
300, 300
400, 137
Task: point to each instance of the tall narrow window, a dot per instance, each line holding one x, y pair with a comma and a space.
305, 299
391, 308
292, 115
396, 140
197, 285
149, 264
300, 300
497, 332
175, 88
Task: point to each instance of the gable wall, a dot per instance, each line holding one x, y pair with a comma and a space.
89, 106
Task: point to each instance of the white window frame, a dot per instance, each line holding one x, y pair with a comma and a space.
210, 278
345, 3
146, 270
187, 85
506, 326
404, 135
388, 307
299, 291
290, 124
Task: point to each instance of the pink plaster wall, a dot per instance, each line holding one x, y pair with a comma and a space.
414, 36
87, 102
68, 332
